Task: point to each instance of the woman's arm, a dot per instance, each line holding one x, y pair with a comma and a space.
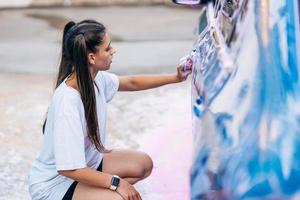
102, 180
88, 176
143, 82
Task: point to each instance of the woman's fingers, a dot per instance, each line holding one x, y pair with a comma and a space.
127, 191
183, 74
135, 194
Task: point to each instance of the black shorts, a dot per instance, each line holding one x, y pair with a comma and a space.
70, 192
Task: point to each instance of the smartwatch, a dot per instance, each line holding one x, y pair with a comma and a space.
115, 182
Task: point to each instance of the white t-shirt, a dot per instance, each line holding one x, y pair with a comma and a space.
66, 144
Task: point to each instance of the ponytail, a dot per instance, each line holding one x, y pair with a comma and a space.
65, 67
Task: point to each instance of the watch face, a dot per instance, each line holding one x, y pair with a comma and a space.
115, 181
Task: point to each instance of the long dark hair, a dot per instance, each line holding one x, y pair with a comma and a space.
79, 39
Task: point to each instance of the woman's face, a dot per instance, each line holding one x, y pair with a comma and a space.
102, 59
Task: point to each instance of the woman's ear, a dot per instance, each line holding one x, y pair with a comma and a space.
92, 58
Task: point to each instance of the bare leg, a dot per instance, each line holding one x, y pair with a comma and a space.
86, 192
132, 180
131, 165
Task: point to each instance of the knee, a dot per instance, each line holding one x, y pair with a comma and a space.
143, 167
148, 165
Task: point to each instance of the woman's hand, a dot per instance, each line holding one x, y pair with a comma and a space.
127, 191
182, 73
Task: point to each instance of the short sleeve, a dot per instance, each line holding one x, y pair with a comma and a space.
110, 83
68, 134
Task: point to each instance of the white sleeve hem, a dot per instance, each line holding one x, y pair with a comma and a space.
70, 166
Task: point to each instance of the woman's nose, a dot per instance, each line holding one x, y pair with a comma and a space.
113, 52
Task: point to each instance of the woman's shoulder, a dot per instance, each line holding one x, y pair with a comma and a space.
106, 78
66, 95
102, 75
65, 101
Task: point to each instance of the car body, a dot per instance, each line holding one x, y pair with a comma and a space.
246, 100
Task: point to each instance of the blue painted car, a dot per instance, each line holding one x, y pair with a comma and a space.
246, 100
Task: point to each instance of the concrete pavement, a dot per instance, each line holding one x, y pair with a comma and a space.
145, 37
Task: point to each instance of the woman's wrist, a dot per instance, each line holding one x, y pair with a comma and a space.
122, 182
176, 78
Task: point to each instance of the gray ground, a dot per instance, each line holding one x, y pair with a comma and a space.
147, 39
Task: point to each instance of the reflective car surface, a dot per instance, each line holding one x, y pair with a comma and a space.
246, 101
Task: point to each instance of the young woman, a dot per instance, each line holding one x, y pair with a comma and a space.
73, 163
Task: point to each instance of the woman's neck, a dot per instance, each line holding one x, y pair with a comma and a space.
72, 81
93, 72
